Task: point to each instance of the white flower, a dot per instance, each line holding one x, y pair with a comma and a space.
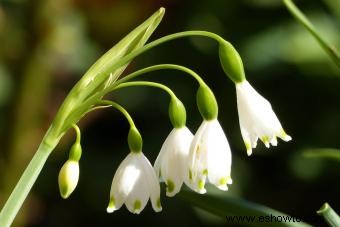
257, 118
68, 178
172, 160
209, 157
133, 183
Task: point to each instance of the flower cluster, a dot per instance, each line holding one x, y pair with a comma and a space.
192, 159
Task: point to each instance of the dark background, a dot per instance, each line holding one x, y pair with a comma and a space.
46, 46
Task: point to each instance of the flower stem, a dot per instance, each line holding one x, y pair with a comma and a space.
159, 41
27, 180
145, 83
299, 16
121, 109
160, 67
331, 217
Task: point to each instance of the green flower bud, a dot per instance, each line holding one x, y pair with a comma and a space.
177, 113
68, 178
231, 62
75, 152
135, 140
206, 103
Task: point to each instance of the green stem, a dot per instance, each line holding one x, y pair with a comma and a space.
159, 41
121, 109
76, 128
331, 217
299, 16
160, 67
145, 83
26, 181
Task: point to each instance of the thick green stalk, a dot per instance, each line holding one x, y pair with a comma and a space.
299, 16
27, 180
331, 217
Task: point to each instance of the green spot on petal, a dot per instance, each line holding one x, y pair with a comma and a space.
223, 181
190, 174
201, 184
205, 172
137, 205
171, 186
265, 139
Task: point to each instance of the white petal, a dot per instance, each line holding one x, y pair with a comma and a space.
152, 184
173, 158
123, 182
219, 155
196, 175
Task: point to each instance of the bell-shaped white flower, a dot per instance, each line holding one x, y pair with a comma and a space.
171, 163
133, 183
257, 118
209, 157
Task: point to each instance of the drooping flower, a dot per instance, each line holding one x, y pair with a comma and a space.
68, 178
209, 158
133, 183
171, 162
257, 118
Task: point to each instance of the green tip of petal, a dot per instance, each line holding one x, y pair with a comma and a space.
136, 206
248, 147
265, 140
158, 204
170, 186
201, 184
283, 135
111, 207
64, 192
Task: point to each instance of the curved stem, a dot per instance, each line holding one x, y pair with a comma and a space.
160, 67
159, 41
121, 109
76, 128
145, 83
299, 16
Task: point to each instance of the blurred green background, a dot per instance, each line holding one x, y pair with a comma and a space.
46, 46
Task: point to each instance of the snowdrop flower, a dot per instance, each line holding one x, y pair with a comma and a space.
172, 160
68, 178
133, 183
209, 158
257, 118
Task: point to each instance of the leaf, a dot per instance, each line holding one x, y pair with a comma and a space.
97, 77
224, 206
322, 153
300, 17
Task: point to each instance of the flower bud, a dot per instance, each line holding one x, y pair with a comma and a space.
231, 62
135, 140
177, 113
206, 103
68, 178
